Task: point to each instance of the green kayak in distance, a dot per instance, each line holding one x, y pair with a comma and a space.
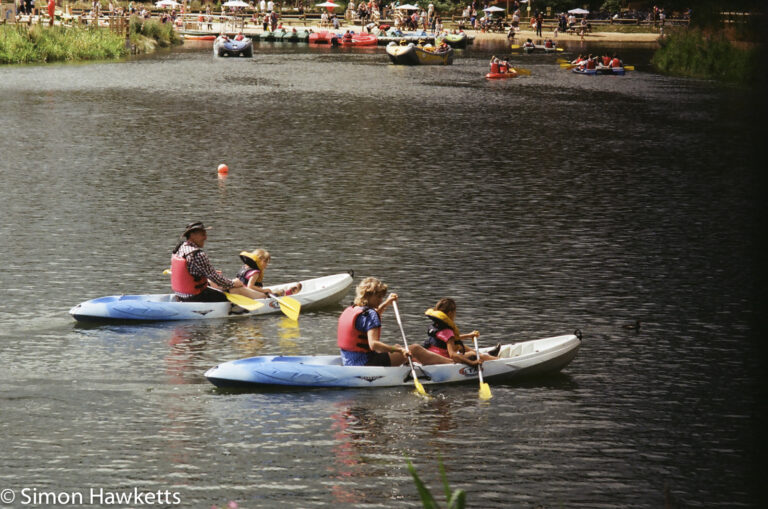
283, 35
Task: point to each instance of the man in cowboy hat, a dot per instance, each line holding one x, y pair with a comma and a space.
191, 269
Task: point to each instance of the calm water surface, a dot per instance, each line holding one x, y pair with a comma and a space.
542, 204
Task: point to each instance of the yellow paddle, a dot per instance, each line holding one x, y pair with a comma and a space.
629, 67
562, 61
289, 306
485, 389
522, 72
239, 300
419, 387
515, 46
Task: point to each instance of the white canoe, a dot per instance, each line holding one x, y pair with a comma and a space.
528, 358
315, 293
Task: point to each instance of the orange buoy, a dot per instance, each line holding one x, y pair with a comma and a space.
223, 169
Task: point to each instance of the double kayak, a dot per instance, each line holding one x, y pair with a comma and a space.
359, 40
501, 75
411, 54
315, 293
618, 71
226, 47
516, 360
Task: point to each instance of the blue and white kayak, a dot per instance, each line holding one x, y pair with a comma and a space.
528, 358
315, 293
619, 71
226, 47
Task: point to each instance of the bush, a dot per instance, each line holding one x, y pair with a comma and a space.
706, 55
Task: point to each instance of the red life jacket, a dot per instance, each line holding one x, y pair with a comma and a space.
606, 60
495, 67
182, 281
615, 62
591, 63
503, 68
349, 338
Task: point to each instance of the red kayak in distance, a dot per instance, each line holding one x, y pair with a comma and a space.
501, 75
324, 37
360, 40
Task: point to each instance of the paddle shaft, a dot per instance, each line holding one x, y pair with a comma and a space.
405, 343
479, 366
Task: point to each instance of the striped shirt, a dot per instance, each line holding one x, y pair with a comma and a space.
199, 265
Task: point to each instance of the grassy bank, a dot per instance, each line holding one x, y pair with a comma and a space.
22, 44
697, 54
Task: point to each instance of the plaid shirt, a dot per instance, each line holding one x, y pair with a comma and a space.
199, 265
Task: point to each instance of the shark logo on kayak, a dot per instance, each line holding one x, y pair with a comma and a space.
370, 379
468, 371
203, 311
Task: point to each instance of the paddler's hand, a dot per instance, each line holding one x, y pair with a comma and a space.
237, 283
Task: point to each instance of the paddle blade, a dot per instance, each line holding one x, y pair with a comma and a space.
562, 61
559, 49
419, 387
515, 46
290, 307
629, 67
523, 72
243, 301
485, 391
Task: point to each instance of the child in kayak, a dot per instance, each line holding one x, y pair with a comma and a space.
252, 274
444, 338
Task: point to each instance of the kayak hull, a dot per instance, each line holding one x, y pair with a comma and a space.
360, 40
501, 75
232, 48
411, 54
456, 40
315, 293
324, 37
616, 71
526, 359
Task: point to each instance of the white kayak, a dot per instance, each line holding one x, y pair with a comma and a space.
315, 293
527, 358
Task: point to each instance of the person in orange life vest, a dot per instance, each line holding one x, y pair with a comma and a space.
443, 337
359, 332
605, 60
495, 64
615, 62
191, 270
591, 64
252, 273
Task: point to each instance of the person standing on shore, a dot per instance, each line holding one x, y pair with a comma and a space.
51, 11
539, 23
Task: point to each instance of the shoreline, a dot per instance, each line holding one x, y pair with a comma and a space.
479, 35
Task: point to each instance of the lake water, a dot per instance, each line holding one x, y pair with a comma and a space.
541, 204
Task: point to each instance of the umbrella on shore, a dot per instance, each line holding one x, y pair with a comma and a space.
408, 7
578, 11
493, 8
329, 5
167, 3
235, 3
